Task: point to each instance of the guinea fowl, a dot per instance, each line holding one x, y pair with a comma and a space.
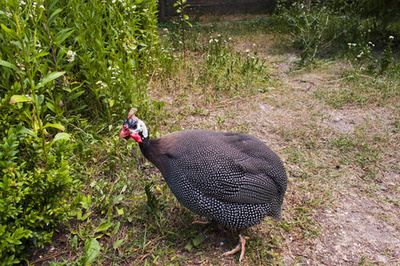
231, 178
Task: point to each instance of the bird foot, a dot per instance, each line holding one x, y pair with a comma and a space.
201, 222
240, 246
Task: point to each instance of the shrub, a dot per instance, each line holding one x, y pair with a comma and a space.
60, 61
33, 192
106, 49
309, 27
328, 26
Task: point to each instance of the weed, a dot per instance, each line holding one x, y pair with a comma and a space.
183, 20
309, 28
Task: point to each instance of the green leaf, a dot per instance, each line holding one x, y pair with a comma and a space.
40, 54
9, 65
120, 211
19, 99
28, 131
58, 126
51, 106
104, 227
50, 77
92, 250
85, 216
60, 136
75, 95
198, 239
11, 32
189, 246
118, 243
116, 229
54, 14
62, 35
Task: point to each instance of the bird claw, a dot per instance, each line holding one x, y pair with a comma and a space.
240, 246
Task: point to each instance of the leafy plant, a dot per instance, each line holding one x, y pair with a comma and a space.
359, 55
33, 194
309, 26
183, 20
387, 56
58, 66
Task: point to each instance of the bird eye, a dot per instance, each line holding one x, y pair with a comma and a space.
132, 124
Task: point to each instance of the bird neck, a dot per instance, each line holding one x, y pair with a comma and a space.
145, 147
149, 149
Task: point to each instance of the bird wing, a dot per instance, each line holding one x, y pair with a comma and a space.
231, 167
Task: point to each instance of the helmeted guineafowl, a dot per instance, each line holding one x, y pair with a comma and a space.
231, 178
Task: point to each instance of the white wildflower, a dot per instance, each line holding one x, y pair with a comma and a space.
391, 37
71, 56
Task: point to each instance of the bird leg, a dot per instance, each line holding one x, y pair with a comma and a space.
201, 222
240, 246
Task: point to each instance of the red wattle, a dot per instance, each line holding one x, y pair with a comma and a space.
136, 137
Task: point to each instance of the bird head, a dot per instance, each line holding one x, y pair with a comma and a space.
133, 127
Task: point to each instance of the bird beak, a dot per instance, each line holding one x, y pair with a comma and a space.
125, 133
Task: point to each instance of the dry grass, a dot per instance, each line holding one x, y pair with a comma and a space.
339, 140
